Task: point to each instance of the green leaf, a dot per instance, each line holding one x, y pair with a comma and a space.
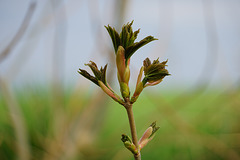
88, 76
100, 75
103, 74
114, 36
130, 50
94, 69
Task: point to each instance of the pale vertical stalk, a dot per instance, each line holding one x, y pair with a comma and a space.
128, 107
23, 152
21, 31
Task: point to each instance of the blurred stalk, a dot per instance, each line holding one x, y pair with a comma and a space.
211, 42
59, 21
120, 13
166, 19
15, 113
119, 16
86, 126
211, 59
23, 152
57, 80
22, 29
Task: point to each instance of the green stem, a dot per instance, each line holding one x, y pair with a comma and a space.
128, 107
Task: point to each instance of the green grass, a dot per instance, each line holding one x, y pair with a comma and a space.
81, 124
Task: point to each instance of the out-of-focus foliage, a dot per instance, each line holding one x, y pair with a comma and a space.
192, 125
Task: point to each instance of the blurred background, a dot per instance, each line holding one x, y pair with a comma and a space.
49, 112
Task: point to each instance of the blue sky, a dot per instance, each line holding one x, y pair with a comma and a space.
200, 40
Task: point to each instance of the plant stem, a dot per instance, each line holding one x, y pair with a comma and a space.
128, 107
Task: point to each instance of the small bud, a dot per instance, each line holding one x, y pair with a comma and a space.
140, 76
110, 92
120, 61
148, 135
124, 89
127, 74
128, 144
139, 86
137, 92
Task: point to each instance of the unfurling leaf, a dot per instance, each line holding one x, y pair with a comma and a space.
126, 39
154, 72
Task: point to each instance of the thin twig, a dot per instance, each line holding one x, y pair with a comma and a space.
128, 107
